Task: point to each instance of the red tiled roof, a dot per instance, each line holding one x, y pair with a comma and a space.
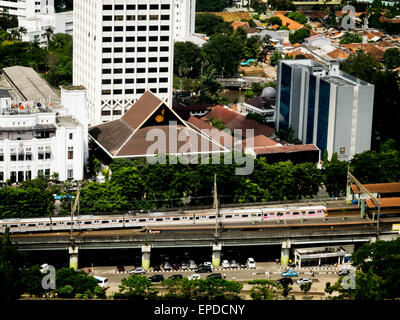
338, 54
291, 24
385, 202
392, 187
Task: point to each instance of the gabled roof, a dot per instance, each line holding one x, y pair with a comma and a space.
128, 137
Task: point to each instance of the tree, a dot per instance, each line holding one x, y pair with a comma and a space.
351, 37
263, 289
377, 276
305, 287
210, 5
211, 24
71, 283
136, 287
224, 53
11, 286
299, 35
298, 17
391, 58
335, 176
187, 55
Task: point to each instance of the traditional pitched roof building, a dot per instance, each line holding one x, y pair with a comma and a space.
151, 119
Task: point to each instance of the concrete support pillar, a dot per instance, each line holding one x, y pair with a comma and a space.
216, 254
285, 251
73, 257
146, 249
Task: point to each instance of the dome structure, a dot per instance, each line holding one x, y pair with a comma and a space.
268, 93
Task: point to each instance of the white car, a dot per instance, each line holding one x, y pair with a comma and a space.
303, 280
103, 282
194, 276
225, 264
251, 264
138, 271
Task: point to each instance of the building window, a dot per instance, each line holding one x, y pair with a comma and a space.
70, 153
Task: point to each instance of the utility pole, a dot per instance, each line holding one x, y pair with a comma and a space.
216, 208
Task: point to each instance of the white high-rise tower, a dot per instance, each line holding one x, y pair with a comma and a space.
122, 48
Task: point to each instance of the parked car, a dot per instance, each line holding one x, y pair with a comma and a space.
175, 276
289, 273
234, 264
103, 282
344, 272
175, 266
192, 265
203, 269
225, 264
156, 278
194, 276
138, 271
167, 266
215, 276
184, 266
120, 268
284, 281
251, 264
303, 280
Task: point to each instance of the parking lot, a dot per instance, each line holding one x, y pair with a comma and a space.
264, 270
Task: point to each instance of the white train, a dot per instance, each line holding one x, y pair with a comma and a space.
153, 220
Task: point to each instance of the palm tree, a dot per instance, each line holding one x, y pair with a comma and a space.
22, 32
49, 34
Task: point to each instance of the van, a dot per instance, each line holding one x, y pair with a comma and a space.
192, 265
251, 264
103, 282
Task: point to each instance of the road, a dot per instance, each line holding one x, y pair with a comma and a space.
321, 277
